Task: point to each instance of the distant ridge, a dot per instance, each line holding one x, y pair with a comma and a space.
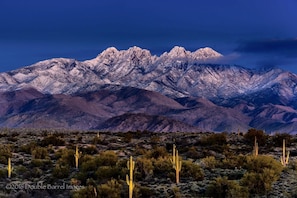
192, 88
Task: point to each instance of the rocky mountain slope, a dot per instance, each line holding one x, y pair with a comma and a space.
186, 88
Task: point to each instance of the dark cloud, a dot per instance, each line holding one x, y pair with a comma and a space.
284, 48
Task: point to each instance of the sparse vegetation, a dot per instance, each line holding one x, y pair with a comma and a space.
212, 164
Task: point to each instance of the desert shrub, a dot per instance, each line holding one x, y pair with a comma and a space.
259, 183
36, 172
12, 139
155, 139
107, 172
140, 151
142, 191
145, 167
61, 171
162, 167
193, 153
111, 189
293, 164
39, 153
216, 142
259, 134
262, 171
91, 150
277, 139
44, 164
258, 163
176, 192
157, 152
5, 153
54, 140
214, 139
209, 162
97, 140
66, 156
127, 137
28, 148
221, 187
3, 173
233, 161
191, 170
88, 164
106, 158
86, 192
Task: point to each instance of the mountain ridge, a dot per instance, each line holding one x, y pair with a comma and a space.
239, 94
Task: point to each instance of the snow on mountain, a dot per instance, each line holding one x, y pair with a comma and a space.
185, 86
178, 73
175, 73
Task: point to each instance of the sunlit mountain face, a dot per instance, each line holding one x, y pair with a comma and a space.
122, 90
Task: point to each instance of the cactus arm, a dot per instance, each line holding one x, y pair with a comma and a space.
256, 147
9, 168
177, 163
285, 158
129, 179
77, 156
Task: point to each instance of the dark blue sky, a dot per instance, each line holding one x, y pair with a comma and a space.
251, 33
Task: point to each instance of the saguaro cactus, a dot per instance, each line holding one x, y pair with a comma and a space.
129, 179
284, 158
77, 156
9, 168
256, 147
177, 163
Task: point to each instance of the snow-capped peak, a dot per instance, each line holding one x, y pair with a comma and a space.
206, 53
111, 51
179, 52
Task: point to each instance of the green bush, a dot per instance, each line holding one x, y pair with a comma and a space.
91, 150
39, 153
233, 161
66, 156
191, 170
162, 167
143, 191
145, 167
61, 171
5, 153
106, 173
44, 164
214, 139
252, 133
157, 152
277, 139
112, 189
3, 173
28, 148
209, 162
54, 140
87, 192
106, 158
262, 171
221, 187
193, 153
258, 163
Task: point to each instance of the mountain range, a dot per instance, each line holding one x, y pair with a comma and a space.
122, 90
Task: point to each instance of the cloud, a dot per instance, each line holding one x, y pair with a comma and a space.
284, 48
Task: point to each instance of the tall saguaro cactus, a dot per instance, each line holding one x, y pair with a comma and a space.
129, 179
77, 156
284, 158
177, 163
256, 147
9, 168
